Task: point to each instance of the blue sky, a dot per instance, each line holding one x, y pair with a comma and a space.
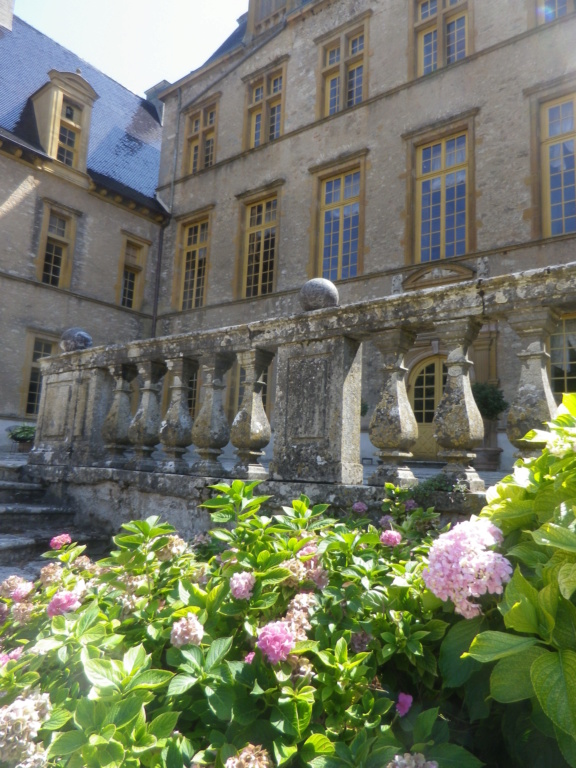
137, 42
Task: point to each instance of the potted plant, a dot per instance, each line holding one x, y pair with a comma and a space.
491, 403
23, 436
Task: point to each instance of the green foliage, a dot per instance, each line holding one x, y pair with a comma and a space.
489, 399
23, 433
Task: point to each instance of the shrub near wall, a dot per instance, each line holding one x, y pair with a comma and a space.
294, 639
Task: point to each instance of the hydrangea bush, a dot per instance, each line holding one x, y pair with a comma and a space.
290, 638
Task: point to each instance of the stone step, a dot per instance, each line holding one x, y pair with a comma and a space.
11, 469
21, 518
15, 491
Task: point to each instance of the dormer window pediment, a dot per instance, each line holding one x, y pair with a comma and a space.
63, 110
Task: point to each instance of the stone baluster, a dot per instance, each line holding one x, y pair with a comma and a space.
117, 422
176, 428
250, 431
211, 430
393, 429
534, 402
457, 421
144, 428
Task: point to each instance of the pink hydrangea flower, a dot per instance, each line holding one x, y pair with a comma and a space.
461, 565
242, 584
57, 542
16, 588
187, 631
359, 507
403, 704
3, 611
63, 602
12, 656
249, 658
390, 538
275, 640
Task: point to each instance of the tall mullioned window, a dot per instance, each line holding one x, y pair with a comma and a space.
260, 247
558, 136
340, 225
563, 358
200, 149
195, 254
55, 251
343, 70
265, 107
441, 199
69, 134
441, 28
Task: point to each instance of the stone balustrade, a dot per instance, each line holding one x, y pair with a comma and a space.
89, 417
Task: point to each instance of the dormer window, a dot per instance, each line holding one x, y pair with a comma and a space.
63, 110
69, 136
266, 14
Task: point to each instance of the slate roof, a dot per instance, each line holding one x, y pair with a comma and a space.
125, 133
232, 42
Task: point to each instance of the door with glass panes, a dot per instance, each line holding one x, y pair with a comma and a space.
425, 386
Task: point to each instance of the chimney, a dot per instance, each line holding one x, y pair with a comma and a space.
6, 14
152, 95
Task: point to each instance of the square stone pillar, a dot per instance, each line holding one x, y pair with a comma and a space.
317, 412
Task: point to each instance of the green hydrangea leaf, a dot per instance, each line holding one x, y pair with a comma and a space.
510, 679
554, 679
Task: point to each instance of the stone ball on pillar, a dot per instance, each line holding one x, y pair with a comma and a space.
318, 293
75, 339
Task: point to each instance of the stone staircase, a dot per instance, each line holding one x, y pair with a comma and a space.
29, 518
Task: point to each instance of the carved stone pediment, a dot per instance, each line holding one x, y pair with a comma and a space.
437, 274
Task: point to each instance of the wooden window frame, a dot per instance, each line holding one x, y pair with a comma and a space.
546, 141
201, 131
322, 173
201, 250
538, 12
73, 127
134, 256
202, 215
32, 368
338, 68
263, 97
560, 334
52, 238
255, 289
440, 132
540, 95
447, 11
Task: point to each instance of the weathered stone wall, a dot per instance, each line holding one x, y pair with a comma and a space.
31, 308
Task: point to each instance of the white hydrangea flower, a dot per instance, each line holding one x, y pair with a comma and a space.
19, 726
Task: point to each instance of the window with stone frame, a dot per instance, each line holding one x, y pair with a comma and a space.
69, 133
56, 245
265, 111
557, 157
260, 247
133, 261
550, 10
343, 67
441, 33
200, 149
340, 197
442, 192
195, 246
41, 348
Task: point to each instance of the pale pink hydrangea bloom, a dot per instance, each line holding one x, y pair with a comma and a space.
390, 538
242, 584
311, 563
409, 760
63, 602
187, 631
275, 640
19, 726
174, 547
57, 542
16, 588
3, 611
250, 757
359, 507
461, 566
404, 704
22, 612
12, 656
249, 658
51, 574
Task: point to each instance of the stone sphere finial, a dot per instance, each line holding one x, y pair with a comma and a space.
75, 339
318, 293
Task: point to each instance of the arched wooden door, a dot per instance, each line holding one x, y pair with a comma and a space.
426, 384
